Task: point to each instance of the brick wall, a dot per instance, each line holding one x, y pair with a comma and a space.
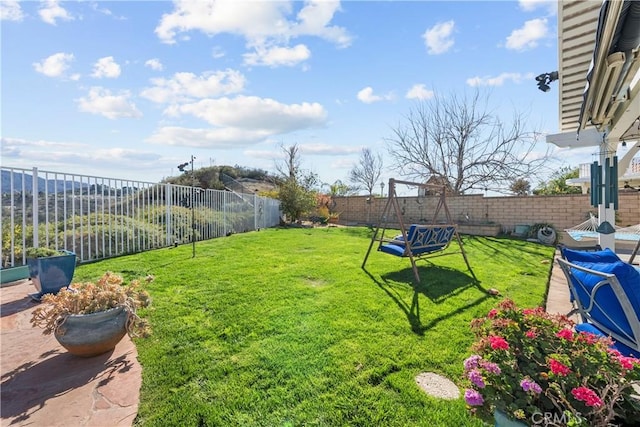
563, 211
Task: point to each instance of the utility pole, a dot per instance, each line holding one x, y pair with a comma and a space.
193, 198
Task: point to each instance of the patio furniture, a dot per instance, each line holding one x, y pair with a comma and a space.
424, 240
606, 291
635, 252
588, 230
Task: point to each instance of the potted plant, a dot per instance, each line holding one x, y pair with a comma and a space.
334, 217
50, 269
91, 318
530, 367
544, 232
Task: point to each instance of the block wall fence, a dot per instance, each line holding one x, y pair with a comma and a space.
561, 211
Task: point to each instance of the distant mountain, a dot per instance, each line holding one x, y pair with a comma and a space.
51, 186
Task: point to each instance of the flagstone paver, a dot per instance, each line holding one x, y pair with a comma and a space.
43, 385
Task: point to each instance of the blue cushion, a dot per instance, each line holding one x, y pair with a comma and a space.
392, 249
629, 279
398, 240
412, 231
605, 255
625, 350
398, 250
427, 250
422, 238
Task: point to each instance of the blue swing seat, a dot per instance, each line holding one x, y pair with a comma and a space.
423, 240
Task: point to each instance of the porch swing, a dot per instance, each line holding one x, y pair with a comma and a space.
418, 241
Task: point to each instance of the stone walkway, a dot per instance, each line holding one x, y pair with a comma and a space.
43, 385
558, 300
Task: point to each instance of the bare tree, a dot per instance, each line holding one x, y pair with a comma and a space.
290, 166
296, 190
459, 142
368, 170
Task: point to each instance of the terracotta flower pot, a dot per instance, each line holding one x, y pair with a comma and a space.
92, 334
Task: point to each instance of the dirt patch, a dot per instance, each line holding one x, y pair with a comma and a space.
437, 386
314, 282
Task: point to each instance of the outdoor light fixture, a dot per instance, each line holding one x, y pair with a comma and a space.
544, 79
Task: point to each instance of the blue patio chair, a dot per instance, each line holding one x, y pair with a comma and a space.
606, 291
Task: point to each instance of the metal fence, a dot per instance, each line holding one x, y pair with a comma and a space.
98, 217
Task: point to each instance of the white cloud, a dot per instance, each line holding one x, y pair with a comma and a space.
419, 91
251, 112
238, 121
366, 95
54, 65
551, 6
314, 19
80, 156
266, 26
251, 19
257, 22
438, 38
185, 86
41, 143
20, 149
221, 138
51, 10
10, 10
276, 56
154, 64
499, 80
117, 155
100, 101
344, 163
106, 67
527, 37
327, 150
217, 52
105, 11
264, 154
11, 148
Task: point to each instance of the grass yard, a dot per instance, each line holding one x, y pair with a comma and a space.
282, 327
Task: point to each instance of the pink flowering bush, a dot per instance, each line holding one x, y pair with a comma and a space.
527, 362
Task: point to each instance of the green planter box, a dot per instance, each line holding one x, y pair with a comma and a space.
13, 274
479, 229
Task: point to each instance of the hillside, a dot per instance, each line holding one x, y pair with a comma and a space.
236, 178
51, 186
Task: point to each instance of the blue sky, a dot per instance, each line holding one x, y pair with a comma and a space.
131, 89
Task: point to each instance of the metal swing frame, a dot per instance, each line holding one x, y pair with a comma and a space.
410, 249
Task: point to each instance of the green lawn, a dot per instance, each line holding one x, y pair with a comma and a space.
282, 327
